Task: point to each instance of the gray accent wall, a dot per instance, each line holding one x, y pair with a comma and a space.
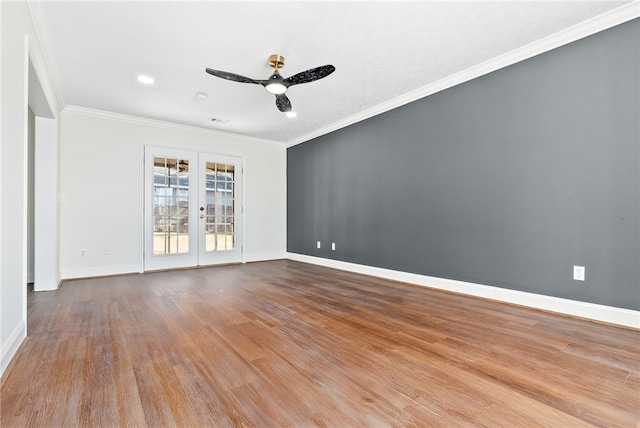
508, 180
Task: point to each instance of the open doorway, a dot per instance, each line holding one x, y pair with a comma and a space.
42, 190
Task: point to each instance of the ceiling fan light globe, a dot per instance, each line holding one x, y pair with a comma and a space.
276, 88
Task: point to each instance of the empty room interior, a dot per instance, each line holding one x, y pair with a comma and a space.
320, 213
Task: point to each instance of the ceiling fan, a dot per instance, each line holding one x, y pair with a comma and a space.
276, 84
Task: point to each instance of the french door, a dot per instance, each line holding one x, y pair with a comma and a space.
192, 209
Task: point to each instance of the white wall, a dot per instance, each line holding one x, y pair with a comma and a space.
101, 190
46, 260
13, 180
19, 43
3, 350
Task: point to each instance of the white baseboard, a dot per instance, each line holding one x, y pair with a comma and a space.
46, 285
10, 348
263, 257
126, 269
608, 314
100, 271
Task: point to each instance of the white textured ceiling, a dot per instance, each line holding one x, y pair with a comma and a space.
381, 50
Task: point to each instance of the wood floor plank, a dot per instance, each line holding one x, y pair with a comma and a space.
287, 344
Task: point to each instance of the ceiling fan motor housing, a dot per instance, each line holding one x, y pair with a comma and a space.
275, 85
276, 61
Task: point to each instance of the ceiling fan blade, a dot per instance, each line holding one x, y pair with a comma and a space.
231, 76
309, 75
283, 103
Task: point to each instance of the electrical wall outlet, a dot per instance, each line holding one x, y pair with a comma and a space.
318, 244
83, 253
578, 273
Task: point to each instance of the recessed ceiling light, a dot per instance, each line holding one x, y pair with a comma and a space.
147, 80
291, 114
200, 96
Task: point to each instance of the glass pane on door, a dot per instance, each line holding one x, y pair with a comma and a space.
220, 209
170, 215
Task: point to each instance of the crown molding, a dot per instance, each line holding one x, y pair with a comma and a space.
579, 31
101, 114
43, 64
589, 27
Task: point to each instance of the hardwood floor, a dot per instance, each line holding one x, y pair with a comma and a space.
282, 343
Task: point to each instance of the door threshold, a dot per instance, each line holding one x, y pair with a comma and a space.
192, 267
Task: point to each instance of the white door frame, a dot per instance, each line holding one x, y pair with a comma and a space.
196, 256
